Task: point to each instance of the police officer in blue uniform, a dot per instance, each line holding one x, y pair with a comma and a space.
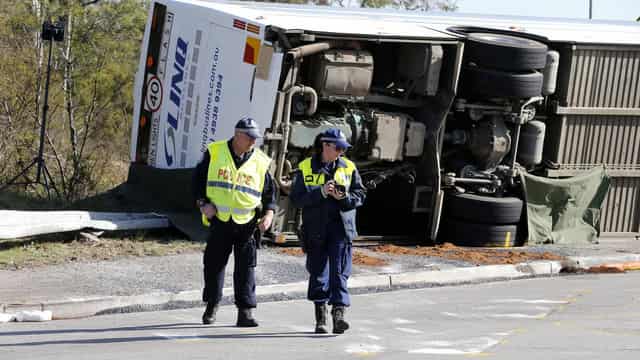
230, 183
328, 188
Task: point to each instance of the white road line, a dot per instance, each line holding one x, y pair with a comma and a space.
446, 313
363, 349
522, 307
502, 334
180, 337
402, 321
500, 316
538, 301
463, 347
409, 331
519, 316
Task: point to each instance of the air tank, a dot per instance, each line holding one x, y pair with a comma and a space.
550, 73
531, 143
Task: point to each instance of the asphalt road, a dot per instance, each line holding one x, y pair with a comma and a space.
568, 317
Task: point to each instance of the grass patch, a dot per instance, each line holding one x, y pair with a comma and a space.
72, 247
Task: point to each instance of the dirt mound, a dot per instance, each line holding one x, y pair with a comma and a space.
478, 256
359, 257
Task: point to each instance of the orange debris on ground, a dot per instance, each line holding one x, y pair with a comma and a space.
362, 259
359, 257
478, 256
606, 269
615, 268
294, 251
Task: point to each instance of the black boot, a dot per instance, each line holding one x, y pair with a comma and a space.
209, 316
339, 324
321, 318
245, 319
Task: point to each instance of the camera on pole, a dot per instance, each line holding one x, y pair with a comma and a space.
53, 31
50, 32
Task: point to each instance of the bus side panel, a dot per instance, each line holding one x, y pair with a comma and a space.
224, 88
265, 86
205, 90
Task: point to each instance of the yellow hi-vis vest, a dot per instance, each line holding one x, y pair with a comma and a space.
342, 175
235, 192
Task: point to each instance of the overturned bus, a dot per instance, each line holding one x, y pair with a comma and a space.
448, 114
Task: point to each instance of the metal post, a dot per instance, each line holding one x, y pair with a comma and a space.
45, 107
590, 9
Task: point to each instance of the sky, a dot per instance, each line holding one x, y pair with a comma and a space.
602, 9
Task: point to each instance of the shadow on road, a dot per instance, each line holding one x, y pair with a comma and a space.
155, 337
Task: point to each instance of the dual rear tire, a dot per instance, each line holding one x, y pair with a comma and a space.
503, 66
474, 220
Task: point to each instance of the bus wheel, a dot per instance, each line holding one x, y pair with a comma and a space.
487, 83
462, 233
505, 52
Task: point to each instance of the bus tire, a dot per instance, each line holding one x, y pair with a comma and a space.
462, 233
487, 83
505, 52
483, 209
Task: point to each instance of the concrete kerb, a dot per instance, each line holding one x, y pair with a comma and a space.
75, 308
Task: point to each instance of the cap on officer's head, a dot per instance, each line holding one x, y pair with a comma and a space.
249, 126
335, 136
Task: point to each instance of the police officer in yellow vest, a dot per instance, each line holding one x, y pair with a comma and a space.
328, 188
230, 184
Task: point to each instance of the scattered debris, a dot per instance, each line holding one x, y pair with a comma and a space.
359, 257
89, 236
605, 269
27, 316
478, 256
293, 251
33, 316
4, 318
614, 268
17, 224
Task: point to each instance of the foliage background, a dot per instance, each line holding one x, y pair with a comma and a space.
90, 93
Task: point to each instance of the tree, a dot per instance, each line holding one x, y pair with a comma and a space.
90, 101
424, 5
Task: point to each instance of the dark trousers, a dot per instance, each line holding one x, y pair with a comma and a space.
329, 267
223, 238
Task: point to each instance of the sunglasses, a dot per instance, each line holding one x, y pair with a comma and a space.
333, 145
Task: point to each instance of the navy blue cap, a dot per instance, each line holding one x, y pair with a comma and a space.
335, 136
249, 126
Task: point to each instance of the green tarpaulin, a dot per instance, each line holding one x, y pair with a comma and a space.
565, 211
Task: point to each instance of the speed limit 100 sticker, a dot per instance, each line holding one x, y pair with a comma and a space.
153, 99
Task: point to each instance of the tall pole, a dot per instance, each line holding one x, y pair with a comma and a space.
590, 9
45, 107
